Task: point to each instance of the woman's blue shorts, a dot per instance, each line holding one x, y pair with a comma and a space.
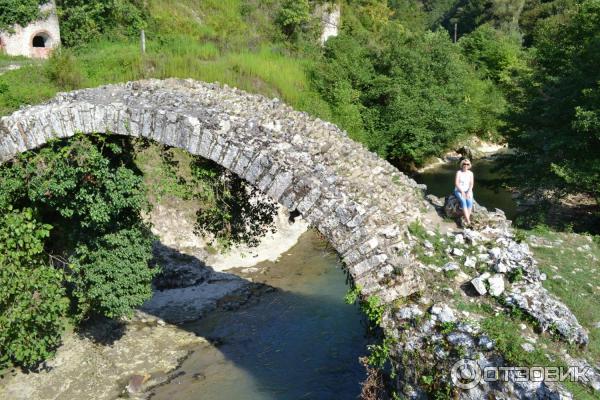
468, 203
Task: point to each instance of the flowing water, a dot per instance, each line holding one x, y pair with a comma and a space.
300, 341
487, 189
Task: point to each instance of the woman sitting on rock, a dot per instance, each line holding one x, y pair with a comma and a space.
463, 188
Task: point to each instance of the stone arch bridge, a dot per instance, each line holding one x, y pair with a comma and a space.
358, 201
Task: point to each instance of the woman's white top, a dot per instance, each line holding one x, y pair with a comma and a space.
464, 180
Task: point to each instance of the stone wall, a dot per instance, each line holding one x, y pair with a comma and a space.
20, 42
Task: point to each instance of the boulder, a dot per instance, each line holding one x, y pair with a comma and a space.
443, 313
496, 284
479, 283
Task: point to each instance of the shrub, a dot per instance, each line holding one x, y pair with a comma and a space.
293, 15
63, 70
20, 12
111, 274
32, 298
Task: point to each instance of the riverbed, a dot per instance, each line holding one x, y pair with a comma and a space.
279, 330
299, 341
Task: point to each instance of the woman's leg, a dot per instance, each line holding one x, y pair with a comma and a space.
468, 209
463, 205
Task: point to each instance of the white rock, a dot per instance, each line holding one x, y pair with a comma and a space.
457, 252
459, 239
483, 257
461, 278
528, 347
501, 268
443, 313
451, 266
495, 253
409, 312
496, 284
479, 285
470, 262
485, 342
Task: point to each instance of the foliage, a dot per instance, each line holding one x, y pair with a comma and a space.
86, 20
496, 55
20, 12
232, 211
293, 15
556, 123
406, 96
373, 309
110, 274
380, 353
32, 299
63, 70
88, 189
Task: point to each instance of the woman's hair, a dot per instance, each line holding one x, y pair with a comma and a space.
464, 161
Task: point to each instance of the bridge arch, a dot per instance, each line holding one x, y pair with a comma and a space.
358, 201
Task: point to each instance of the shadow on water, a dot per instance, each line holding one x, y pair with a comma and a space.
298, 341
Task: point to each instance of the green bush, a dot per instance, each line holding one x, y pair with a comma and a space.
63, 70
406, 96
32, 298
293, 16
20, 12
89, 189
111, 274
85, 20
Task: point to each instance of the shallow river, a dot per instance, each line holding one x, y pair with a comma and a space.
300, 341
487, 191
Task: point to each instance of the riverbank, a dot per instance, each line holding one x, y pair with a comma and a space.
478, 148
112, 359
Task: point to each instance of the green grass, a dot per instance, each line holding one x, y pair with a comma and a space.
579, 290
579, 287
266, 71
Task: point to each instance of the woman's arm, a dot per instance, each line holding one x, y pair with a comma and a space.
471, 184
457, 186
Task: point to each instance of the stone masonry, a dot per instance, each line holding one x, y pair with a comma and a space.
358, 201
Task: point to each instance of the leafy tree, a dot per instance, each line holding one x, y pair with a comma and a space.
85, 20
496, 54
293, 16
90, 191
231, 211
32, 298
408, 96
20, 12
555, 123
